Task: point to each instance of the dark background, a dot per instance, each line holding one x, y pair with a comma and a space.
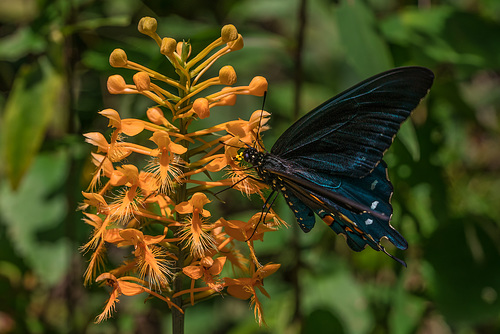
444, 164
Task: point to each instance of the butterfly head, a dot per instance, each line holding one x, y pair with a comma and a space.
251, 155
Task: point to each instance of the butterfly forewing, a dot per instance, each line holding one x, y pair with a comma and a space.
348, 134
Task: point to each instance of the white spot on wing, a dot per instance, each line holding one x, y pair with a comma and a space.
374, 205
368, 221
374, 184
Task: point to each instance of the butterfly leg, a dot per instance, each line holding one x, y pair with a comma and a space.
265, 210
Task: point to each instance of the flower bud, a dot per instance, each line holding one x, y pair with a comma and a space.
155, 115
142, 81
118, 58
258, 86
168, 46
116, 84
227, 75
236, 44
201, 108
147, 25
228, 33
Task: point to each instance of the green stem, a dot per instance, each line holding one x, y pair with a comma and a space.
177, 284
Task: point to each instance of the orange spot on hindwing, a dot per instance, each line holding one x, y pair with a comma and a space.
329, 220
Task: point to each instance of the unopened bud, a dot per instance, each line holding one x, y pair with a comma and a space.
116, 84
258, 86
201, 107
168, 46
228, 33
155, 115
147, 25
142, 81
118, 58
227, 75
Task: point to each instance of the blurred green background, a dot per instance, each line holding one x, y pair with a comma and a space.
445, 164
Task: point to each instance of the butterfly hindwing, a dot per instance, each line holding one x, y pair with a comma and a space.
348, 134
305, 216
373, 191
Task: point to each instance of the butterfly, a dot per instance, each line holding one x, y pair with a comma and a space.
329, 162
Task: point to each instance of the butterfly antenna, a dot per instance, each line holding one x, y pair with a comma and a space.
223, 143
258, 139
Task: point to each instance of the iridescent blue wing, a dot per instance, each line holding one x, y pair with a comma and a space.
361, 228
348, 134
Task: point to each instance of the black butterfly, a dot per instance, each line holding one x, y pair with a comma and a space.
330, 161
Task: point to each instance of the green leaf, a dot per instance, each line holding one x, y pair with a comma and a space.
408, 137
366, 50
21, 43
407, 309
466, 279
34, 212
340, 295
34, 98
